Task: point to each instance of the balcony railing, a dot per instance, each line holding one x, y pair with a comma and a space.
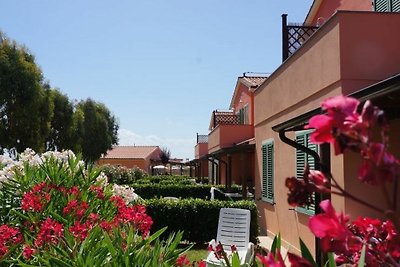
294, 35
202, 138
225, 117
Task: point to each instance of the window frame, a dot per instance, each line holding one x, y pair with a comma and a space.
309, 210
267, 175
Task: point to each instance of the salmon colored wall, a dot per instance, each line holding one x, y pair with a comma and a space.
204, 168
225, 135
370, 43
246, 96
368, 192
201, 150
328, 64
329, 7
129, 163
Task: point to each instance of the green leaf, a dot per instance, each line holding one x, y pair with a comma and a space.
110, 245
361, 262
331, 260
235, 260
58, 262
306, 254
20, 215
58, 217
276, 244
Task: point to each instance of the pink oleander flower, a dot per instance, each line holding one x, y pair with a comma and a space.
330, 228
378, 165
341, 108
301, 190
323, 126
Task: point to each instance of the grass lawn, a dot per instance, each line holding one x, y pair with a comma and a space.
197, 252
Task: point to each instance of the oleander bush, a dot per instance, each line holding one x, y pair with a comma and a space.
55, 211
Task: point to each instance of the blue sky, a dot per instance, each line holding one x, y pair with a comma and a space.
161, 66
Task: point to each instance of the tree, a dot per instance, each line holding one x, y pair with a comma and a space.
98, 128
165, 155
61, 135
25, 109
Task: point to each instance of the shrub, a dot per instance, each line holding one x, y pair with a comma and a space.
122, 175
148, 191
56, 212
197, 218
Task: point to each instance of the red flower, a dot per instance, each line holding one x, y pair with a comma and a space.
269, 260
9, 236
50, 232
119, 201
202, 264
98, 190
74, 190
34, 200
28, 252
296, 261
182, 261
330, 227
70, 206
79, 230
233, 248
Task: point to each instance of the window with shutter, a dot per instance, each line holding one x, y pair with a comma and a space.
302, 158
387, 5
267, 149
243, 115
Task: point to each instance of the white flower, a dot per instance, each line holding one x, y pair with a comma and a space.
126, 192
103, 179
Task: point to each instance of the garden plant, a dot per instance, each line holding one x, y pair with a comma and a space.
57, 212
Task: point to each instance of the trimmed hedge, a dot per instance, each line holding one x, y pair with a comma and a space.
196, 217
148, 191
165, 179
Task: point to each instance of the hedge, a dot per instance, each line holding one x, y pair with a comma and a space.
148, 191
196, 217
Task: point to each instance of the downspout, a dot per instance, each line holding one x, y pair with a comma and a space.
318, 253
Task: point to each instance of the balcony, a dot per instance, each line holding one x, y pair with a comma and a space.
227, 135
201, 147
350, 51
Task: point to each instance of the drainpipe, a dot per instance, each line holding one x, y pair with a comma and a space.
319, 257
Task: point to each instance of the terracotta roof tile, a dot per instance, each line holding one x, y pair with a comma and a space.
254, 80
130, 152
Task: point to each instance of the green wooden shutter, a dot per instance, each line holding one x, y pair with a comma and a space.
302, 158
268, 171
